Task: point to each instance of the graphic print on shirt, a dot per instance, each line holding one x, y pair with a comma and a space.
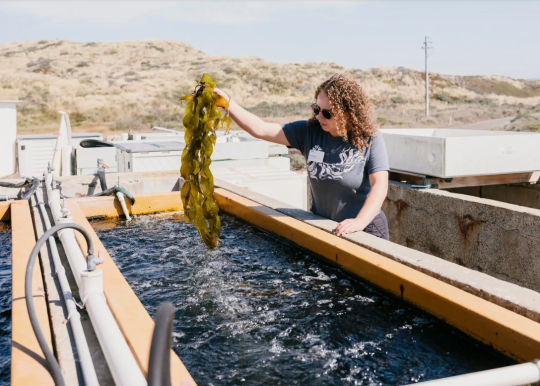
349, 157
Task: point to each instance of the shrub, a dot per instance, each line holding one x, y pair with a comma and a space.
42, 42
265, 109
76, 117
82, 64
448, 99
398, 100
160, 49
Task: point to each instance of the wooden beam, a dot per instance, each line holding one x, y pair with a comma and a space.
144, 204
28, 365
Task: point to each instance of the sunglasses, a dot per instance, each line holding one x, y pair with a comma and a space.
325, 113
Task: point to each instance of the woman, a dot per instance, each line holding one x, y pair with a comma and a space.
345, 155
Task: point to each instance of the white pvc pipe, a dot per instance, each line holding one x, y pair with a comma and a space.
120, 196
516, 375
122, 364
74, 318
67, 237
66, 160
169, 130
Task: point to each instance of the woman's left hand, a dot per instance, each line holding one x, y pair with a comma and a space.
350, 225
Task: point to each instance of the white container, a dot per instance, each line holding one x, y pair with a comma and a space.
36, 151
8, 133
149, 156
86, 159
448, 153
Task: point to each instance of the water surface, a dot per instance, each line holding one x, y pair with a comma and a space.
260, 311
5, 303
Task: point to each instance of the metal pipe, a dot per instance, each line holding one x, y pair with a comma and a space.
67, 237
523, 374
74, 318
120, 196
177, 132
122, 364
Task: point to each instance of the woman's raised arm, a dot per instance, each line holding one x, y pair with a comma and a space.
254, 125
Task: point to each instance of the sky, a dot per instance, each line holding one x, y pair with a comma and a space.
468, 37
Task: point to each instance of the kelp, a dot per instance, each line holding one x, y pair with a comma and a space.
202, 118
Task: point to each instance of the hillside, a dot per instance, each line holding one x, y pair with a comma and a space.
134, 85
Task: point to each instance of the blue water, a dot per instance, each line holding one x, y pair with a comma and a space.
5, 304
260, 311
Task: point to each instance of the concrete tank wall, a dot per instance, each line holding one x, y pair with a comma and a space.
496, 238
524, 194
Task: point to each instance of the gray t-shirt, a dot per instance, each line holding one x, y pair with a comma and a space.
340, 183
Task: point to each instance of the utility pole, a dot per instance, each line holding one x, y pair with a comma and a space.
426, 47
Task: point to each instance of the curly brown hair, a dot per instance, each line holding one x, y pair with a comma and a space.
351, 108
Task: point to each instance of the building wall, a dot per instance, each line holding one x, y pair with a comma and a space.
8, 135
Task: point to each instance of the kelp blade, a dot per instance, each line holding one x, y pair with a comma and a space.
202, 117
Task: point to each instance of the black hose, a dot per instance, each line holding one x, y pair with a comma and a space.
15, 185
102, 180
125, 193
31, 190
54, 368
159, 365
109, 192
92, 187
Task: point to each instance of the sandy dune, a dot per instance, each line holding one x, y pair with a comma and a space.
118, 86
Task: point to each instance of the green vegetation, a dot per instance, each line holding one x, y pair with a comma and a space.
457, 100
398, 100
491, 86
265, 109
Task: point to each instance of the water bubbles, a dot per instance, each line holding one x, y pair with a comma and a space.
421, 321
364, 299
259, 311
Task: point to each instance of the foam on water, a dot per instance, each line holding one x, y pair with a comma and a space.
260, 311
5, 304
